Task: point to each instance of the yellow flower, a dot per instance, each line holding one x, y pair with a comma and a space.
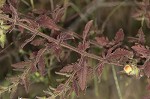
131, 69
127, 69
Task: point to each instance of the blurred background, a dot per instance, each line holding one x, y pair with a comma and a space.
109, 16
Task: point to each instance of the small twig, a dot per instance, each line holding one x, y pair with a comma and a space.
94, 6
108, 17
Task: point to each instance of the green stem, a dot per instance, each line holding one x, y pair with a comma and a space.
96, 86
116, 82
108, 17
32, 3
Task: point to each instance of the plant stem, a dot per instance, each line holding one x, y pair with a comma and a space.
96, 85
116, 82
50, 39
52, 5
108, 17
32, 3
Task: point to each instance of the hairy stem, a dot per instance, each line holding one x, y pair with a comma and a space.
50, 39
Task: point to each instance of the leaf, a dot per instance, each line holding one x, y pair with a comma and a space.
67, 69
38, 42
41, 65
39, 54
75, 87
103, 41
119, 36
82, 76
47, 22
119, 53
28, 40
86, 29
142, 50
56, 49
141, 36
60, 88
99, 69
64, 37
25, 83
22, 64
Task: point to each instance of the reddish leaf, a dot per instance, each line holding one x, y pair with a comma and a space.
100, 69
119, 53
37, 42
141, 36
82, 76
41, 66
75, 87
22, 64
86, 29
39, 54
25, 83
64, 37
59, 88
47, 22
28, 40
56, 50
103, 41
119, 36
67, 69
142, 50
33, 68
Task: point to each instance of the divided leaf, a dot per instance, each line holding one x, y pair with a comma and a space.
103, 41
41, 65
39, 54
100, 69
142, 50
37, 42
87, 29
82, 76
47, 22
67, 69
119, 53
25, 83
21, 65
141, 36
75, 87
119, 36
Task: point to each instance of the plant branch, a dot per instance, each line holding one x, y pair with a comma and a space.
50, 39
